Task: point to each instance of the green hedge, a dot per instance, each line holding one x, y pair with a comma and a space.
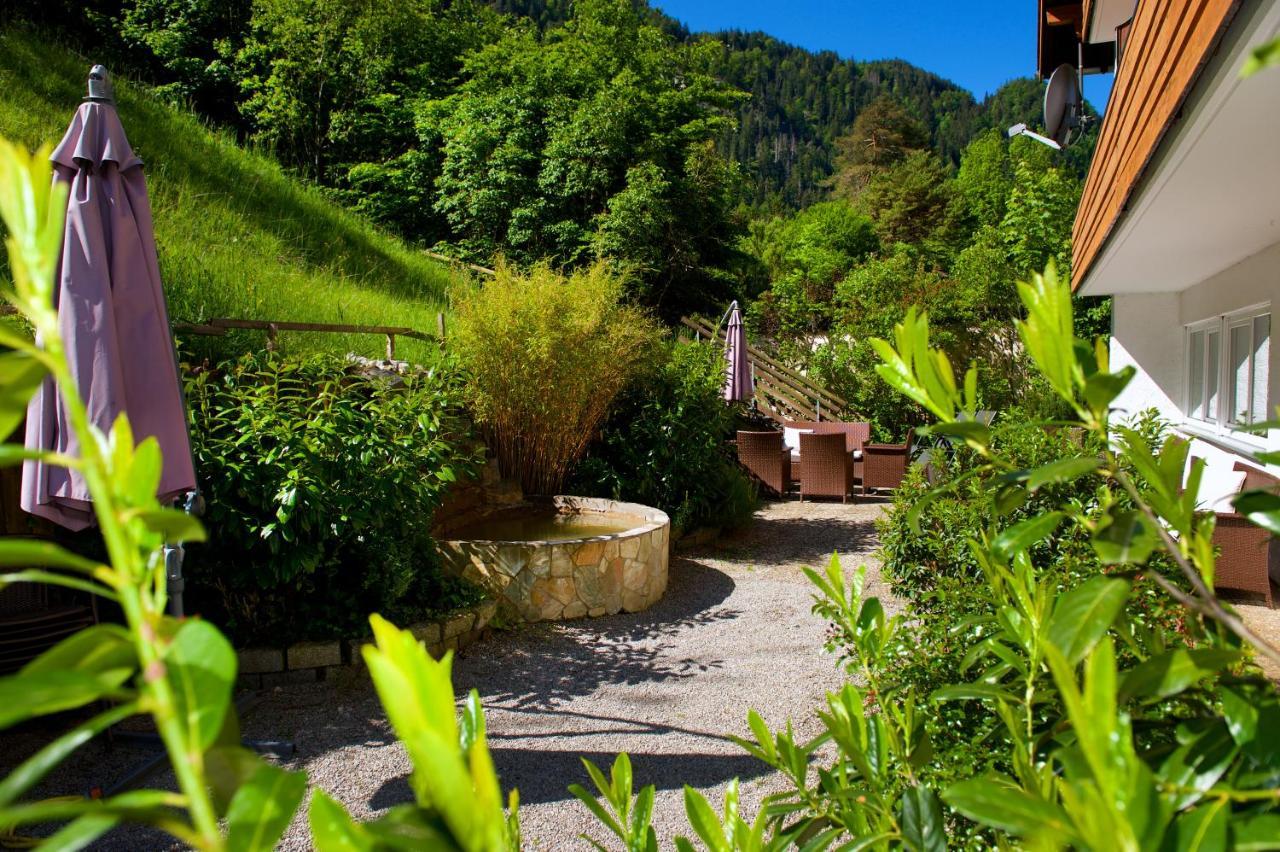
666, 444
320, 483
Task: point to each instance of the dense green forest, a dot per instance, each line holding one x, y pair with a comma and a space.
569, 131
801, 102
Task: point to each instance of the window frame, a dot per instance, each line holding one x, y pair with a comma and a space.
1223, 379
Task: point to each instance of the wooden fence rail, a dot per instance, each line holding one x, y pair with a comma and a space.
782, 392
220, 326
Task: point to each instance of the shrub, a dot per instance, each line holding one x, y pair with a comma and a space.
665, 444
320, 483
545, 355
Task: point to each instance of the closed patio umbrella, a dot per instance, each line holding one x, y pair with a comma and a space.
737, 384
112, 314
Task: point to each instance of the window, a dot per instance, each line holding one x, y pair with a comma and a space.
1227, 369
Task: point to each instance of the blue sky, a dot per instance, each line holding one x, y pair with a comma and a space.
976, 45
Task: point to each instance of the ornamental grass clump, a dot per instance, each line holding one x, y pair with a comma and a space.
545, 354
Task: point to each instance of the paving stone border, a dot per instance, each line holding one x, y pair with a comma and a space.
308, 662
589, 576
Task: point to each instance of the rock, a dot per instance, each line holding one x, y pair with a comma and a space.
562, 589
589, 553
587, 581
634, 576
427, 631
460, 623
314, 655
577, 609
561, 562
260, 660
293, 678
485, 613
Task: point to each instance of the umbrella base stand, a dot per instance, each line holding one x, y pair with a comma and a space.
153, 763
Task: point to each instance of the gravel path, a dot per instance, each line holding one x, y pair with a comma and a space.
668, 686
733, 632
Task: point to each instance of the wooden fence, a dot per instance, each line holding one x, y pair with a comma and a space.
219, 327
781, 392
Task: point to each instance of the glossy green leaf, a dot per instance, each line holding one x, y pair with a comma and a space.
923, 826
142, 479
965, 430
996, 802
1048, 332
98, 648
1024, 534
1063, 470
20, 376
1262, 57
973, 691
29, 552
263, 808
24, 696
1258, 833
1101, 389
1197, 765
1203, 829
173, 524
704, 821
79, 833
1261, 508
201, 666
417, 694
1083, 615
227, 768
1128, 539
333, 830
1240, 713
53, 578
1174, 671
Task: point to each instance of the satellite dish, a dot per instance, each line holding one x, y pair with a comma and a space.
1022, 130
1063, 104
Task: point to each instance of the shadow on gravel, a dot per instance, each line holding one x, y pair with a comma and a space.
810, 541
544, 666
545, 776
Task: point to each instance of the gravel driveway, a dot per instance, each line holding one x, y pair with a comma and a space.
667, 685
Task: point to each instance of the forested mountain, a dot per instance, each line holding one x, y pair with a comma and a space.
802, 101
559, 130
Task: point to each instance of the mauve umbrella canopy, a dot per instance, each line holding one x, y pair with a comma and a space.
113, 319
737, 385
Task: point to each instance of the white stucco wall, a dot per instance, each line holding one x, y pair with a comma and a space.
1147, 332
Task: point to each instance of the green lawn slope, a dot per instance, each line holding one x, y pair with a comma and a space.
237, 237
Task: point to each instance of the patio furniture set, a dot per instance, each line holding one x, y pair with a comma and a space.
1248, 555
823, 459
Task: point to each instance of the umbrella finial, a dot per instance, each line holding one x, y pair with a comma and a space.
100, 85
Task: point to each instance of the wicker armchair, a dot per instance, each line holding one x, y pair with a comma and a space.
884, 465
765, 457
825, 469
855, 434
1248, 555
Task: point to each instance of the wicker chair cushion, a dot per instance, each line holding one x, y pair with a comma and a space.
791, 437
1218, 486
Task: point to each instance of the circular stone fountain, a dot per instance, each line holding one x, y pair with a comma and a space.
565, 557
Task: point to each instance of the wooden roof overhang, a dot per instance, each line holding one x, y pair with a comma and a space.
1060, 36
1169, 43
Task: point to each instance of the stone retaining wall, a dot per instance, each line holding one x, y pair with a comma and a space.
599, 575
307, 662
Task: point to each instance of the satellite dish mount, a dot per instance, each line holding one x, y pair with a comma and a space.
1064, 112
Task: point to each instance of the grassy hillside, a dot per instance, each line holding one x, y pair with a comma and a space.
237, 237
